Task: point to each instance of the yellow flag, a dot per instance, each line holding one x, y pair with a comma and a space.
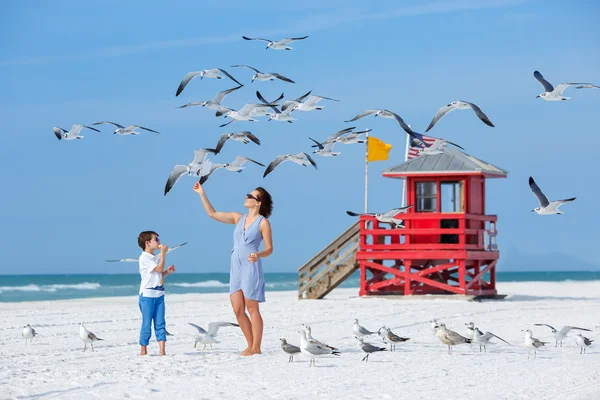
377, 150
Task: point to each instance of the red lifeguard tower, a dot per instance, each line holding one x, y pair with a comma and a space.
447, 245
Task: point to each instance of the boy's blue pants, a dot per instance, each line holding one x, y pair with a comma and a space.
152, 308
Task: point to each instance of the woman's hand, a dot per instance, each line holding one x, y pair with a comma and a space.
198, 188
253, 257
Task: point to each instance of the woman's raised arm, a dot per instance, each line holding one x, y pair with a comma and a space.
225, 217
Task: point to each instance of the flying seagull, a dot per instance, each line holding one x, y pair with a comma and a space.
243, 136
208, 337
560, 335
309, 105
583, 342
546, 207
459, 105
325, 151
207, 73
262, 112
136, 259
387, 217
243, 114
277, 45
200, 165
122, 130
555, 94
72, 134
299, 158
267, 76
235, 166
334, 136
215, 103
276, 114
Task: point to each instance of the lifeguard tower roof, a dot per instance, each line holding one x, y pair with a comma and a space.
452, 162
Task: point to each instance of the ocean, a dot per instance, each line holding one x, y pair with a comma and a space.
16, 288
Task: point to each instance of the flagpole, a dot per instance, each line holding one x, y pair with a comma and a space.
367, 172
405, 158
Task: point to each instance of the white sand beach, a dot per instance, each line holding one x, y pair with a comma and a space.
54, 365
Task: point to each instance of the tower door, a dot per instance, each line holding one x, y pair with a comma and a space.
452, 200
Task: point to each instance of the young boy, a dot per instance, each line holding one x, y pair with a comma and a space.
152, 291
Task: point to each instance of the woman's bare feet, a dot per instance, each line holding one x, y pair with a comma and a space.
254, 351
246, 352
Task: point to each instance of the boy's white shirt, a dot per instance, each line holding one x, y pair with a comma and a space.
150, 278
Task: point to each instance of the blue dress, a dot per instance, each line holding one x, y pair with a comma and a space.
245, 275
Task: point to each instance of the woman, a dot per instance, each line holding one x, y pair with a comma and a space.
246, 280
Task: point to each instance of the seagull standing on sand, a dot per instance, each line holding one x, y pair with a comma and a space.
449, 337
215, 103
560, 335
207, 73
359, 331
483, 339
289, 349
532, 343
277, 45
61, 133
208, 337
388, 336
87, 337
28, 333
310, 337
137, 259
299, 158
434, 326
459, 105
125, 130
368, 348
470, 330
244, 137
235, 166
583, 342
264, 76
556, 94
313, 349
546, 207
387, 217
200, 165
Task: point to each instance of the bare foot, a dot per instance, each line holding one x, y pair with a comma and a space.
246, 352
143, 353
255, 351
163, 353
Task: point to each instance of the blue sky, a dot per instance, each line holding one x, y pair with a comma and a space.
67, 206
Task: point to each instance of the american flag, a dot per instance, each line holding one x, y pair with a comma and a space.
414, 151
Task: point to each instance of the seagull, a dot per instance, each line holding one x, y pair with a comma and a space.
352, 138
72, 134
200, 165
434, 326
122, 130
325, 151
309, 105
137, 259
208, 337
215, 103
276, 114
28, 333
532, 343
583, 342
243, 114
481, 339
360, 331
278, 45
289, 349
267, 76
388, 217
235, 166
560, 335
310, 337
334, 136
459, 105
554, 94
368, 348
263, 112
299, 158
378, 113
449, 337
313, 349
87, 337
243, 136
437, 147
470, 330
546, 207
388, 336
207, 73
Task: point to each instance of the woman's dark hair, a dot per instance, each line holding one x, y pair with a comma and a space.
266, 202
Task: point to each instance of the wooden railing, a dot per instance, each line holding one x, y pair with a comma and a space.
330, 267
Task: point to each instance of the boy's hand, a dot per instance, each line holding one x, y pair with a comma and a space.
198, 188
171, 269
163, 248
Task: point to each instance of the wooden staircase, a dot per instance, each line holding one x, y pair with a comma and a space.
330, 267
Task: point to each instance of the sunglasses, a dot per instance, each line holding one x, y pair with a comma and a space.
157, 240
249, 196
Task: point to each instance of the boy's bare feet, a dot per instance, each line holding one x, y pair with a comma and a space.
254, 351
162, 353
144, 351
